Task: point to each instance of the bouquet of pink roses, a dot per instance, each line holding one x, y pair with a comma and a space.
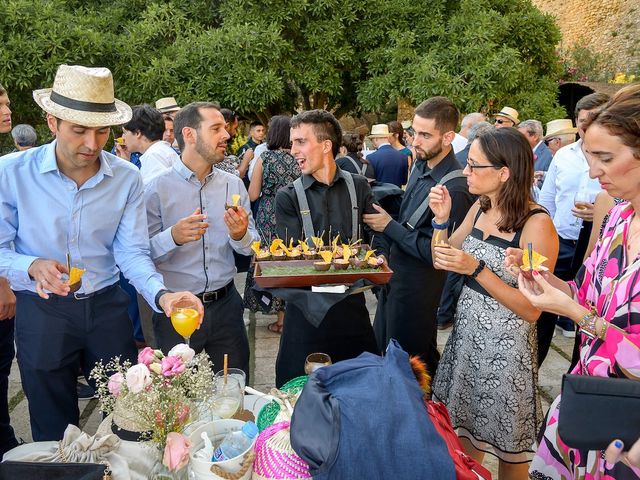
158, 394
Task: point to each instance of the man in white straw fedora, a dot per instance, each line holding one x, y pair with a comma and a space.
507, 117
560, 133
71, 204
168, 105
390, 165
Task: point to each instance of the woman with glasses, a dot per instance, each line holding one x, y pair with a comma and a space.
488, 374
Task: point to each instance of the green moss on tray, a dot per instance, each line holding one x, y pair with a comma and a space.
269, 271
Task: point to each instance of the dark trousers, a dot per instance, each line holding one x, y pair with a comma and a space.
7, 351
134, 312
56, 336
222, 331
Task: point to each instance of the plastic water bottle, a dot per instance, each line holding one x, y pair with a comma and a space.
235, 443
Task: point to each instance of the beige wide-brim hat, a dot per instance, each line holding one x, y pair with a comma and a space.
167, 104
509, 113
379, 130
562, 126
83, 96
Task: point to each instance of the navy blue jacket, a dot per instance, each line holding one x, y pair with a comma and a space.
390, 165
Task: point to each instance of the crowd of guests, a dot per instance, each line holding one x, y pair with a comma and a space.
151, 226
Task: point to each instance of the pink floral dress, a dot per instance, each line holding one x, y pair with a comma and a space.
610, 282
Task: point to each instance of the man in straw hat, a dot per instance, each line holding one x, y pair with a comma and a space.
7, 311
168, 105
389, 164
560, 133
568, 174
70, 203
507, 117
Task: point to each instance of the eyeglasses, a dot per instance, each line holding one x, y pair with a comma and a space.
549, 140
499, 121
473, 167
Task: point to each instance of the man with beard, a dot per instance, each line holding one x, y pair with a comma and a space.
408, 304
194, 234
329, 200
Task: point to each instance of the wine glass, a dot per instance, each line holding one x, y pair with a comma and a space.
185, 318
315, 361
581, 200
227, 396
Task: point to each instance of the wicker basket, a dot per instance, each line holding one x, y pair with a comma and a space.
275, 457
272, 411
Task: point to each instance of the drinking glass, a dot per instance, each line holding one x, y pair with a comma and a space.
227, 396
581, 200
315, 361
239, 375
185, 318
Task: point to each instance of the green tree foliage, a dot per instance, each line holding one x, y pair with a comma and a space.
263, 57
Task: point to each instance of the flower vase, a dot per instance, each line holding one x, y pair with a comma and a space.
161, 472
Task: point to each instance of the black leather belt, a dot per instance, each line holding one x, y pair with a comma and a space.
215, 295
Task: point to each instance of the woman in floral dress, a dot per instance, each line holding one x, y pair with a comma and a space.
606, 291
488, 374
274, 169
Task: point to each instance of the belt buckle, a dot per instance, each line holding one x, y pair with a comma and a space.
80, 296
208, 297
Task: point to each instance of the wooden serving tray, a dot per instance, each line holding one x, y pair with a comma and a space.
312, 277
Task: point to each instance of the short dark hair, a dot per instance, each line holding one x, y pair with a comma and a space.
325, 127
442, 110
3, 90
229, 115
508, 147
256, 123
189, 116
146, 120
591, 102
279, 132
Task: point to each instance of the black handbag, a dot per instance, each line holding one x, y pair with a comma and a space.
53, 471
594, 411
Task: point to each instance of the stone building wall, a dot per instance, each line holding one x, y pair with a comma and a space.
611, 27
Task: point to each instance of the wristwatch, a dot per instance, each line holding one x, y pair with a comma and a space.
479, 268
158, 295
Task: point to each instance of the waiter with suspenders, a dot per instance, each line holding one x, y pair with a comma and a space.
325, 199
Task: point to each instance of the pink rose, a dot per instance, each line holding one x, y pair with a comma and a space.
115, 384
147, 356
176, 452
172, 366
138, 378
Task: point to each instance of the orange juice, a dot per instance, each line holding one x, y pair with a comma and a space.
185, 321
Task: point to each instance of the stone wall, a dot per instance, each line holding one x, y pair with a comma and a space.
611, 27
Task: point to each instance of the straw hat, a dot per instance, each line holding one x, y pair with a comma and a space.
562, 126
167, 104
509, 113
83, 96
379, 130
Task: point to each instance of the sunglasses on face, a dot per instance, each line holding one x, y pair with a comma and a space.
549, 140
499, 121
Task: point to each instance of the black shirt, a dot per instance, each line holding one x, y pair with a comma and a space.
249, 145
330, 207
417, 243
347, 165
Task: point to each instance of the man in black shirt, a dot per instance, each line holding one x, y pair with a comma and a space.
346, 330
407, 306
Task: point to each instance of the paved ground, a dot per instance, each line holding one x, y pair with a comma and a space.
264, 348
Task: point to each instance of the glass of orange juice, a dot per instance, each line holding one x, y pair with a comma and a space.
185, 318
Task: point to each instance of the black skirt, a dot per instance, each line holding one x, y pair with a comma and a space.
344, 333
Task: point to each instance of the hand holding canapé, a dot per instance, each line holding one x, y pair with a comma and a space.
440, 203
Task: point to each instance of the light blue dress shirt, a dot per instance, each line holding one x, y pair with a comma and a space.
203, 265
102, 224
